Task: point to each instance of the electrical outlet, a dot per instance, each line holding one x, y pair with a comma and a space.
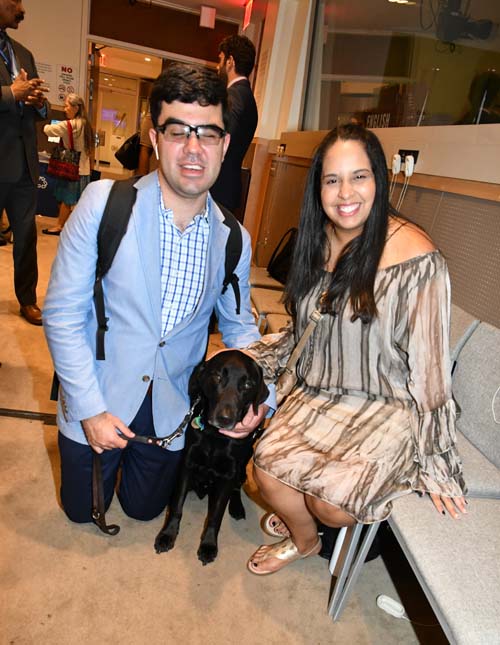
404, 153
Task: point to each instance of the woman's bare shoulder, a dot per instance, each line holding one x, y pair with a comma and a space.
405, 241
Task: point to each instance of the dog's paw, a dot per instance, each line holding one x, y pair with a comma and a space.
207, 553
164, 542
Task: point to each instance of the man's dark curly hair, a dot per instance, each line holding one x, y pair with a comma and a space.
188, 84
243, 52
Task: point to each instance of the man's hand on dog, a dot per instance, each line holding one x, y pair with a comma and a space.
248, 424
101, 432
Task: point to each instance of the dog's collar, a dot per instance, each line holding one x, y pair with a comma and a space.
197, 423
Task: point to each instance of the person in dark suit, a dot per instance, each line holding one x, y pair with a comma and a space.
22, 102
236, 62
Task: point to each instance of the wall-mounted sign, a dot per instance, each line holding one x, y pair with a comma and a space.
60, 80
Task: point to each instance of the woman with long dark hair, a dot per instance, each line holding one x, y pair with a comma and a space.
372, 415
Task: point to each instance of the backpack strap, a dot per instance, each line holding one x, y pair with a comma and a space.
234, 247
112, 228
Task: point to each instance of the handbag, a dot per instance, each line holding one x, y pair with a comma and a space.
64, 163
281, 259
128, 153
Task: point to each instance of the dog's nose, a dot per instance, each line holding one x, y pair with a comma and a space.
225, 421
225, 416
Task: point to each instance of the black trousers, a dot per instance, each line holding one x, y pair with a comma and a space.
19, 201
147, 474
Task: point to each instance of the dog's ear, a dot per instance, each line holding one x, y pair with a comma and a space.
262, 390
194, 388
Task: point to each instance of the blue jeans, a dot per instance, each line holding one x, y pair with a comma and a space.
147, 474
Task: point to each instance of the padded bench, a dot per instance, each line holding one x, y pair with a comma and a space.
457, 562
259, 277
265, 302
277, 322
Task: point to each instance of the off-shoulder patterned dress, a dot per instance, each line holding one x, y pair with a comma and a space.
372, 417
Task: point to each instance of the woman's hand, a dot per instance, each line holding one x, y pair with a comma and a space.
454, 505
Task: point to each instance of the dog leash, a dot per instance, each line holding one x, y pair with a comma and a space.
164, 442
98, 507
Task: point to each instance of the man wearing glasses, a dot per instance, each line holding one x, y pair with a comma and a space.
164, 283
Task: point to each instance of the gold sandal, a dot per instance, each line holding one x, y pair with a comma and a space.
286, 551
273, 525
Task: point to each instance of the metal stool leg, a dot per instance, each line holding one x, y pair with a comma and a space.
350, 577
339, 542
345, 568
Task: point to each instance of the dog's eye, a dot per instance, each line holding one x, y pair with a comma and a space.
248, 385
216, 378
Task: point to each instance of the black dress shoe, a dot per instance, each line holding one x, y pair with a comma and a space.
32, 314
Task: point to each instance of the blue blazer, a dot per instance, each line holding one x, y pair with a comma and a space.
136, 351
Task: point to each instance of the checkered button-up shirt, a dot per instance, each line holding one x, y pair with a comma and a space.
183, 261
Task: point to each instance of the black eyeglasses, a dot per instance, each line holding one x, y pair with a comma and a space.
177, 131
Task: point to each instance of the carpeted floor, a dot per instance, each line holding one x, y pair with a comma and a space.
62, 583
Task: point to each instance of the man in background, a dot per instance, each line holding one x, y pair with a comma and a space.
21, 104
236, 62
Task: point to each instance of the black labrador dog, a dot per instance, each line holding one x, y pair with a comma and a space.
213, 464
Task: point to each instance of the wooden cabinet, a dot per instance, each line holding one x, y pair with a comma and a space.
282, 203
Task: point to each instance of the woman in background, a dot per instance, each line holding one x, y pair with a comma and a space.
66, 192
372, 415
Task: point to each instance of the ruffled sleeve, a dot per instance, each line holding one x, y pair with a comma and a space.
272, 352
429, 383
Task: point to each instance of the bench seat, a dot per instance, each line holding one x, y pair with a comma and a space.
457, 564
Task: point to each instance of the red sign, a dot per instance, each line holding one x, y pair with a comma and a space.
248, 14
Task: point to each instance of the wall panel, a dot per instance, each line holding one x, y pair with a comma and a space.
158, 27
281, 206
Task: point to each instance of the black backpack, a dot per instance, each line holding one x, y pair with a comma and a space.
113, 227
281, 259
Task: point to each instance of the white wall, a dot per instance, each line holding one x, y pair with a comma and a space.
459, 151
281, 75
456, 151
55, 32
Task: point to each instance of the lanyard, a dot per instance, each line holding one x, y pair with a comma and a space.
10, 68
